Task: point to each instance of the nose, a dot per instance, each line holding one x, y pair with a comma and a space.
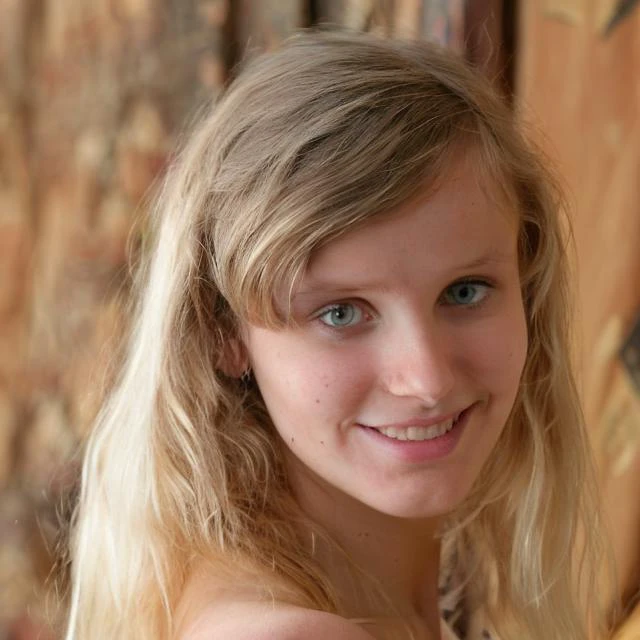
420, 365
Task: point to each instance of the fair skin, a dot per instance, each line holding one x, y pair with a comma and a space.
391, 388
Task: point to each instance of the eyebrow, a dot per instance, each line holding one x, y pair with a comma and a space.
314, 287
496, 256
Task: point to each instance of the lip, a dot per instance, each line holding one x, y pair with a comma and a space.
419, 451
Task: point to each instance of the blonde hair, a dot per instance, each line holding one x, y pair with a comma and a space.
308, 142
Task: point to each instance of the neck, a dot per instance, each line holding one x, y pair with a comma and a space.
398, 555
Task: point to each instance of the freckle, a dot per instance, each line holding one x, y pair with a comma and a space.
317, 400
292, 440
322, 442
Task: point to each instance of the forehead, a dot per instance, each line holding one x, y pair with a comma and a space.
460, 221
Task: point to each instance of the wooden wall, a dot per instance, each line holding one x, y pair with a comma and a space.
579, 83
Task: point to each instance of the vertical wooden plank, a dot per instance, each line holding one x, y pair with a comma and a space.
408, 19
582, 88
438, 20
483, 36
361, 15
263, 24
444, 22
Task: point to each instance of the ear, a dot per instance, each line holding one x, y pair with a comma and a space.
234, 360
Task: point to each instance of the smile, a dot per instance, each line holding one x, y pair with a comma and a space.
418, 433
413, 430
419, 440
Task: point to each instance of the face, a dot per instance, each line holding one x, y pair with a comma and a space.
400, 372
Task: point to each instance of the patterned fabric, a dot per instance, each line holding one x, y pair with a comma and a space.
459, 622
447, 633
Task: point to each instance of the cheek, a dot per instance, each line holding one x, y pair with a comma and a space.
307, 383
497, 355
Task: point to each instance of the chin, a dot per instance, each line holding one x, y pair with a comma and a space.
426, 505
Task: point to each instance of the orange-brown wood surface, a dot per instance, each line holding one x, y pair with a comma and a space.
581, 87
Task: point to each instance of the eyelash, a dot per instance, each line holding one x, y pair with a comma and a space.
341, 305
471, 282
359, 305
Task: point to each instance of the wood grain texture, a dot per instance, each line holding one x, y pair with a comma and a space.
581, 89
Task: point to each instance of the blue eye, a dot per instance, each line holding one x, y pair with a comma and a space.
341, 315
467, 294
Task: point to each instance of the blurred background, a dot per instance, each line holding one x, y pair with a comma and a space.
93, 95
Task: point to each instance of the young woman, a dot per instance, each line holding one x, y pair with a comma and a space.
348, 373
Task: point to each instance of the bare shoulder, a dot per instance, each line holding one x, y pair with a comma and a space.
212, 608
270, 621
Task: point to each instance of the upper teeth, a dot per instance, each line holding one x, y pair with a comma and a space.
418, 433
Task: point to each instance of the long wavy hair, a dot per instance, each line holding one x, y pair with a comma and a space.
308, 142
